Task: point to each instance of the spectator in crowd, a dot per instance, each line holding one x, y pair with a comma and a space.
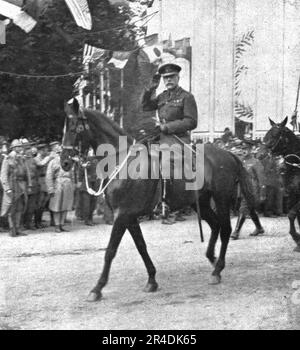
273, 187
3, 155
250, 163
42, 159
14, 178
227, 136
33, 185
60, 188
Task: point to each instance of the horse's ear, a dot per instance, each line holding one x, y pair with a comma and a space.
75, 105
271, 122
283, 123
66, 107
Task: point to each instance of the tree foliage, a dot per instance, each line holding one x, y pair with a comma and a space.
35, 107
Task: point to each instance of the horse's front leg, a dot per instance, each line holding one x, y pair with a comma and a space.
292, 214
117, 233
137, 235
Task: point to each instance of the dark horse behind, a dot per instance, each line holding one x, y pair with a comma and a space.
280, 140
132, 198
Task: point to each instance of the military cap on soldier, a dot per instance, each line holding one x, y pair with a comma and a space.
41, 145
3, 142
53, 143
25, 143
15, 143
168, 69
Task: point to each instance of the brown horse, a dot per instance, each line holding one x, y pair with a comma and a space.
132, 198
280, 140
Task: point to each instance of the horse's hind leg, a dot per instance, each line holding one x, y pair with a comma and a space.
211, 218
137, 235
223, 213
117, 233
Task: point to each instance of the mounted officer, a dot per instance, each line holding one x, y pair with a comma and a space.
177, 111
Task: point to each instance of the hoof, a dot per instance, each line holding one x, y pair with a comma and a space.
234, 237
213, 263
297, 249
151, 287
215, 279
94, 297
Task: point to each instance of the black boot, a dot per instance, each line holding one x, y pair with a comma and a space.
241, 219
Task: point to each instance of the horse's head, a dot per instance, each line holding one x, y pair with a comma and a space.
279, 138
77, 136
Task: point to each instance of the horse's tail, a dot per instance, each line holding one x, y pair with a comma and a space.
245, 184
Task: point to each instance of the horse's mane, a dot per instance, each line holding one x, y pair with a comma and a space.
105, 124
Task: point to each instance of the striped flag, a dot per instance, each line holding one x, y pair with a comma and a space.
19, 17
93, 54
120, 58
81, 13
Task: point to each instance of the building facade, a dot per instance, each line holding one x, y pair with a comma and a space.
245, 62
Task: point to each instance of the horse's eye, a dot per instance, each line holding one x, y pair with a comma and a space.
80, 128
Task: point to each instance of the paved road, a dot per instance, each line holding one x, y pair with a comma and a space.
46, 276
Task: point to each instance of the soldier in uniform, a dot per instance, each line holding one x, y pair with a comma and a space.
33, 185
177, 109
42, 159
60, 185
3, 155
251, 164
14, 179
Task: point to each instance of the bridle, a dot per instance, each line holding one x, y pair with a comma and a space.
273, 148
76, 130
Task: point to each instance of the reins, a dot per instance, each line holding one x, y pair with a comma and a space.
111, 177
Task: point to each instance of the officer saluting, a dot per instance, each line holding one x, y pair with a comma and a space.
177, 109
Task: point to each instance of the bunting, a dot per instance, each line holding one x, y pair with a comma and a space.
18, 16
94, 54
120, 58
81, 13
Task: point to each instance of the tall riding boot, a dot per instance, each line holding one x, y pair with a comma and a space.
258, 228
12, 226
241, 219
18, 219
62, 219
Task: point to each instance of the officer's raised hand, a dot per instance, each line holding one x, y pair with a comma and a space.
155, 82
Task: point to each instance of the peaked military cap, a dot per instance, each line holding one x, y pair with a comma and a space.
15, 143
53, 143
168, 69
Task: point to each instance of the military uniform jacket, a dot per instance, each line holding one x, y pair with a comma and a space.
14, 176
177, 109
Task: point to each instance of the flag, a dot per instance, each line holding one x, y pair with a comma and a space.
81, 13
93, 54
120, 58
2, 33
19, 17
153, 52
152, 48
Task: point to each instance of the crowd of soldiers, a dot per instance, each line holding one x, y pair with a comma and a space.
265, 171
33, 181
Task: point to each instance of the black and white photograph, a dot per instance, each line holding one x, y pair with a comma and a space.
149, 167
